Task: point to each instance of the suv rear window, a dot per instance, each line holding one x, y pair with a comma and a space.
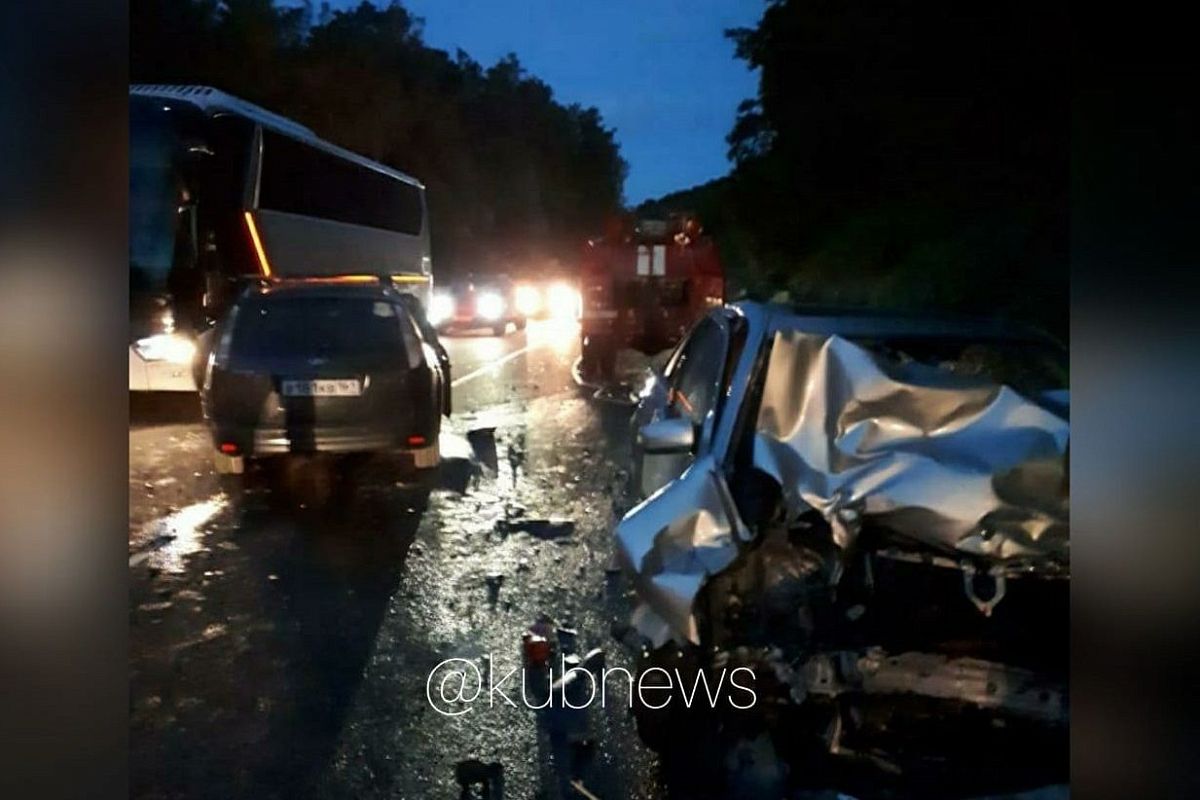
321, 326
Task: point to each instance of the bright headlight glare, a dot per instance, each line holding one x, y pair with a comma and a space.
489, 305
441, 308
563, 301
528, 300
170, 347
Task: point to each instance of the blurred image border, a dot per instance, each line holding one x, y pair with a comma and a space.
63, 594
63, 492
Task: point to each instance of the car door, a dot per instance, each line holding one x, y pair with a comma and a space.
682, 405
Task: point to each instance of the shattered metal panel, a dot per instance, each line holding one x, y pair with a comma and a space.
961, 465
958, 464
672, 542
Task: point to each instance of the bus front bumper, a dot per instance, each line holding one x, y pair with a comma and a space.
158, 376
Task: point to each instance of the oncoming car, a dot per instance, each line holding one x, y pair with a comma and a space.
477, 303
555, 300
324, 366
869, 511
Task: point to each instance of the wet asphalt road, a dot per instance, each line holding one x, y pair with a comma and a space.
280, 642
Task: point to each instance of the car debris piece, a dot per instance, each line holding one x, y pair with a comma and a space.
473, 774
578, 786
566, 637
537, 646
483, 447
493, 581
548, 528
569, 685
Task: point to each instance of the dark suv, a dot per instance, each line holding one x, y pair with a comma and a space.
325, 366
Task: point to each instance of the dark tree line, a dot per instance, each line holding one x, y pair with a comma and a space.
513, 176
910, 154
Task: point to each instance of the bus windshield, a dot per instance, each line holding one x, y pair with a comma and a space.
155, 193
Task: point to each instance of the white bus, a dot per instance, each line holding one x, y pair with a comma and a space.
221, 192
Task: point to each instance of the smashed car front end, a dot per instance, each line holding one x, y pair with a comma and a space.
904, 589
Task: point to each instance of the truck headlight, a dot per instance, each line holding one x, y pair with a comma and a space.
489, 306
172, 347
528, 300
563, 302
441, 308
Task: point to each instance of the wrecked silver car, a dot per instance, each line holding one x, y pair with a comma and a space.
872, 513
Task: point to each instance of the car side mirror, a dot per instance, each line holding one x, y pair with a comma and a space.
667, 436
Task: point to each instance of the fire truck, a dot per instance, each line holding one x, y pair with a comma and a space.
643, 284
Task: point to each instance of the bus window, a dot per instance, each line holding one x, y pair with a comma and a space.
155, 194
300, 179
223, 177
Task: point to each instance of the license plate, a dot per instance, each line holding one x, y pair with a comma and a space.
341, 387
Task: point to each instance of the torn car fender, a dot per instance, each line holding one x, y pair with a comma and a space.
672, 542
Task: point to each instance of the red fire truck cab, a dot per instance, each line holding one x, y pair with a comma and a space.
642, 287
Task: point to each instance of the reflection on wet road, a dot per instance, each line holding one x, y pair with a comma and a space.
279, 646
168, 541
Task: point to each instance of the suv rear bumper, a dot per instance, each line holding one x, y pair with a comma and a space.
278, 441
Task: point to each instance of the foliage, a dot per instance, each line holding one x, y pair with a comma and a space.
910, 154
513, 176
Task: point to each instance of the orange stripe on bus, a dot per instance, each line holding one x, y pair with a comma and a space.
258, 248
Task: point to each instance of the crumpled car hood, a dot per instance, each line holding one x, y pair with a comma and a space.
954, 463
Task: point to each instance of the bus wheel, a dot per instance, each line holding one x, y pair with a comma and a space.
600, 356
591, 358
